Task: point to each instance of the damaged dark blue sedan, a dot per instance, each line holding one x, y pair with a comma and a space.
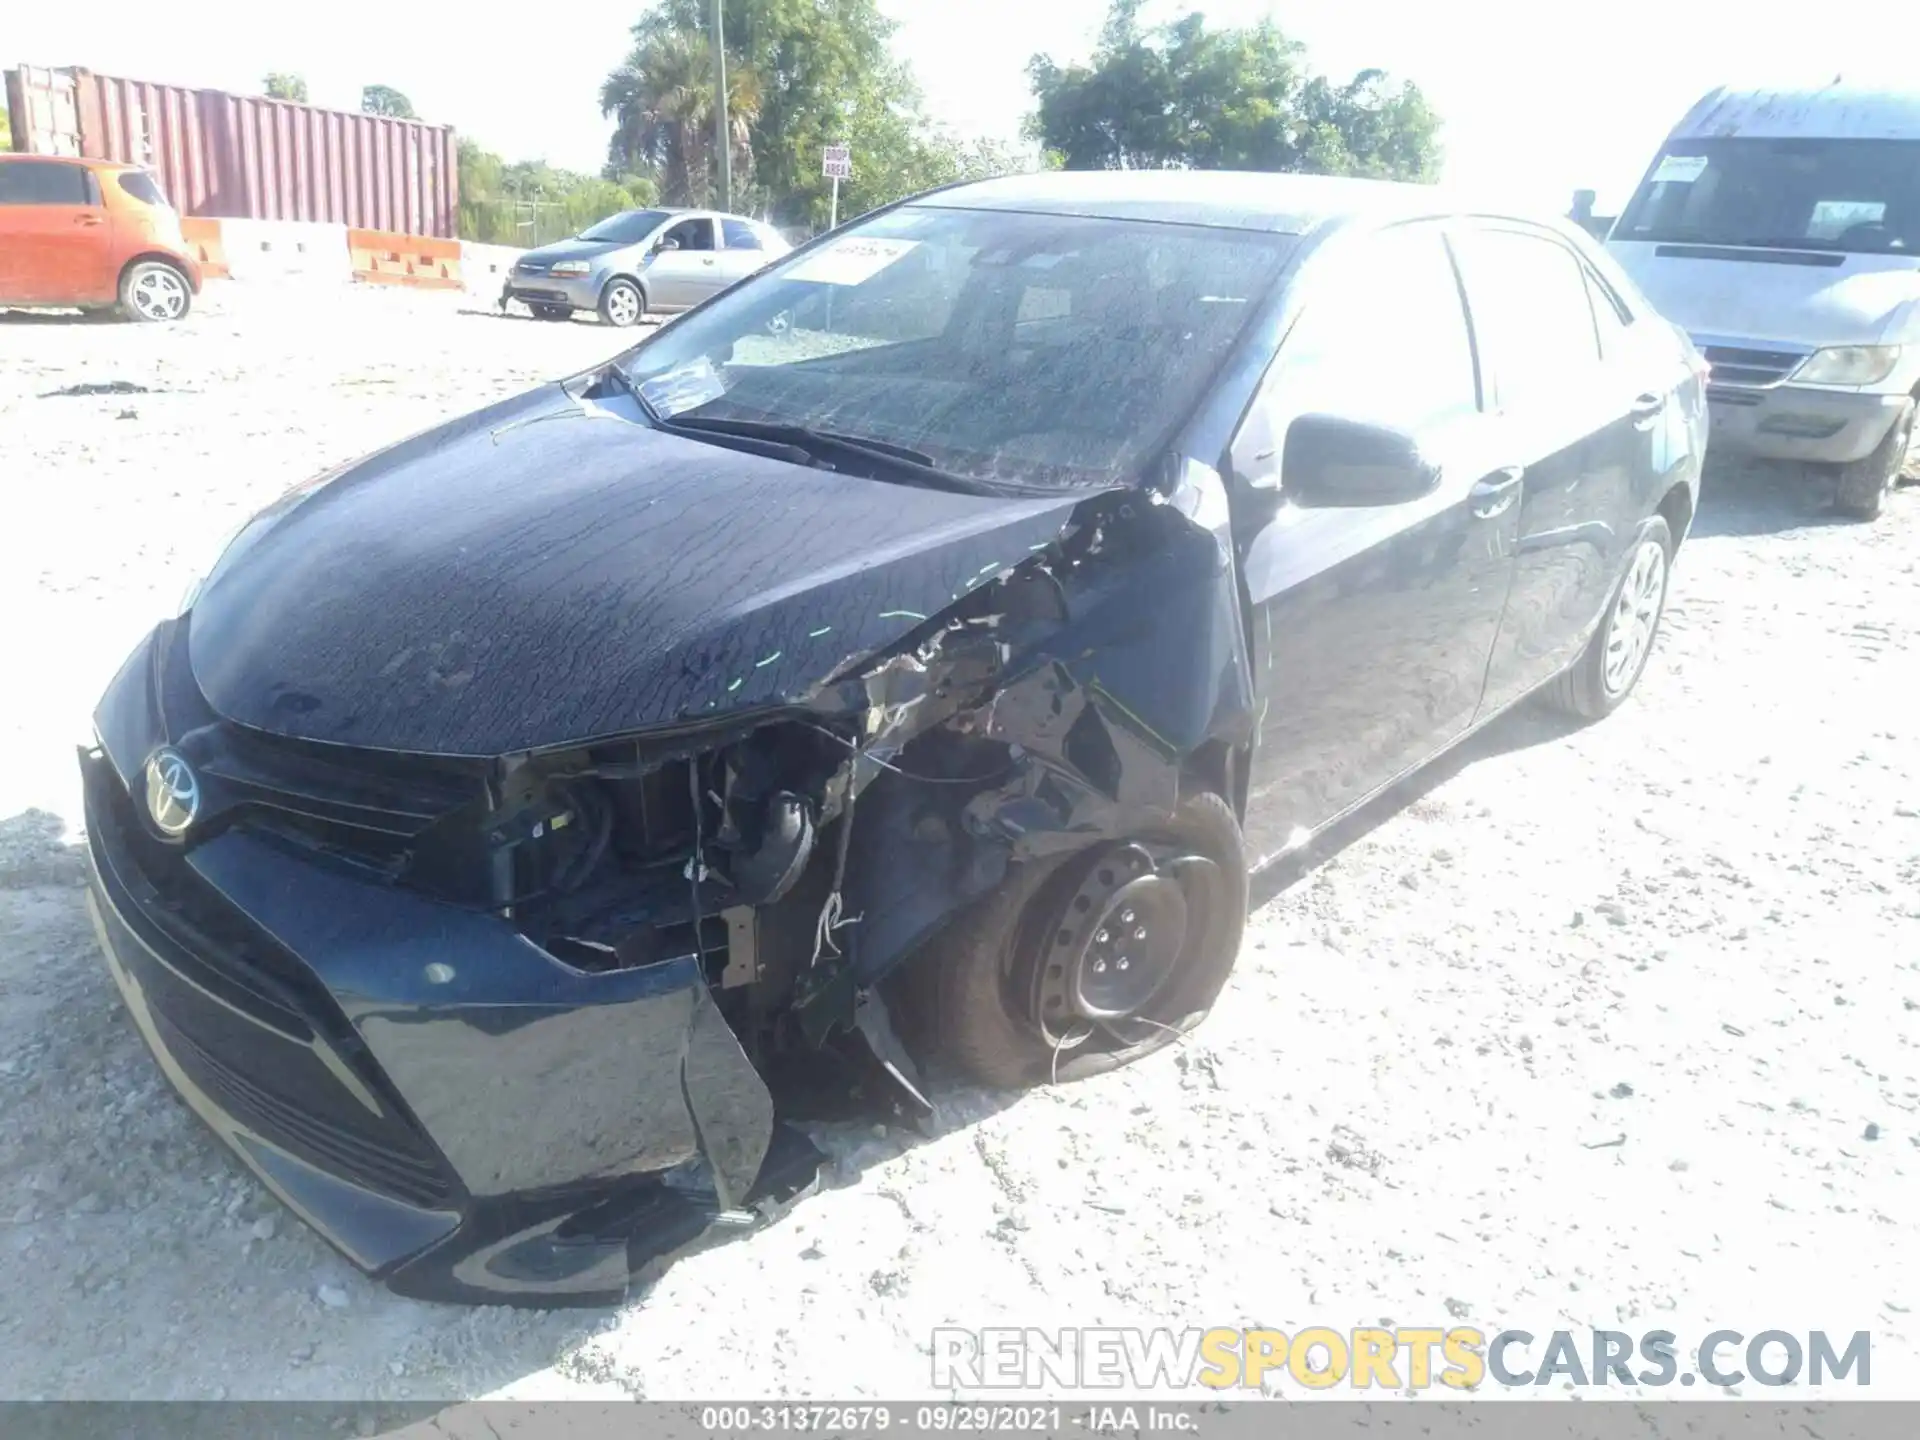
912, 650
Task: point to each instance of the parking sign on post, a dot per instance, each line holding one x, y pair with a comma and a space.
837, 166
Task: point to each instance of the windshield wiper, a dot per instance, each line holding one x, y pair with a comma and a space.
801, 443
1790, 244
800, 435
898, 462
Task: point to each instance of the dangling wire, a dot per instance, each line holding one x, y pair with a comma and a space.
831, 912
697, 866
1061, 1042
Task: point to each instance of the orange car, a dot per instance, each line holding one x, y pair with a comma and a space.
92, 234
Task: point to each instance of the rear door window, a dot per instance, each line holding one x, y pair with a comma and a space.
1534, 312
142, 187
44, 182
740, 235
1610, 315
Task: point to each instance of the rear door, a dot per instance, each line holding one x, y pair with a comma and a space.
56, 238
681, 278
1655, 444
742, 252
1372, 624
1572, 424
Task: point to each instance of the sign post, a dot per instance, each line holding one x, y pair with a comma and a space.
837, 166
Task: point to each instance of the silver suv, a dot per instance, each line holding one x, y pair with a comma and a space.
639, 261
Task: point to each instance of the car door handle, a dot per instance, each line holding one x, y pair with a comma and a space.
707, 261
1494, 496
87, 220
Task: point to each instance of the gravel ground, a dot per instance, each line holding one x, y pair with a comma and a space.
1611, 1028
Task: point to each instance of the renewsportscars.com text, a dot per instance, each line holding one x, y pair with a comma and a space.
1411, 1357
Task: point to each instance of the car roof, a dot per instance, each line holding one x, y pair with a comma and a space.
1230, 199
1837, 110
687, 212
86, 160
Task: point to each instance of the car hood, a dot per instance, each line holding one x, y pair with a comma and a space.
542, 573
1859, 302
575, 249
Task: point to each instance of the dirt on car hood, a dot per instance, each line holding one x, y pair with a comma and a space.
539, 573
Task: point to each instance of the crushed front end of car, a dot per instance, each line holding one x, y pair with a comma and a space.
472, 853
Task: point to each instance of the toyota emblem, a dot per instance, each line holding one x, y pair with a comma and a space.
173, 792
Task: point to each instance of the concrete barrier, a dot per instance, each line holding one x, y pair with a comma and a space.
386, 257
287, 250
208, 244
484, 268
283, 250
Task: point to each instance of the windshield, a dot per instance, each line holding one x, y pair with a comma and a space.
1040, 350
1854, 195
629, 227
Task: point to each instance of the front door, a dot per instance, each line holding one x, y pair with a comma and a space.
56, 238
1372, 624
686, 265
1575, 436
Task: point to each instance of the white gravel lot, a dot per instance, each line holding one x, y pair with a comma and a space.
1613, 1028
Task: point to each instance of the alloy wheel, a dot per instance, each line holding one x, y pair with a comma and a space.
623, 305
1636, 614
158, 293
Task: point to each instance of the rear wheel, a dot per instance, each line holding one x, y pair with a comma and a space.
622, 304
1606, 672
154, 292
1863, 486
1079, 964
552, 312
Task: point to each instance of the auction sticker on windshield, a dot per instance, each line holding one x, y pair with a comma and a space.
850, 262
1680, 169
684, 388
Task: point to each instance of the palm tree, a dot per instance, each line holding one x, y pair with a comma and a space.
661, 99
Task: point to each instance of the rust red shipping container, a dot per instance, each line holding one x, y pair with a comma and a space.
244, 156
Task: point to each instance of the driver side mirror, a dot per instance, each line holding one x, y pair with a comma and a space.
1330, 461
666, 245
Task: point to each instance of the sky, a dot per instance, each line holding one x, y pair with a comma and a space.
1537, 99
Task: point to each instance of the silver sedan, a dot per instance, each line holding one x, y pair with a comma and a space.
640, 262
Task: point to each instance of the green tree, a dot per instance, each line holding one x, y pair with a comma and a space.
661, 100
1183, 96
283, 86
529, 202
385, 100
6, 127
822, 73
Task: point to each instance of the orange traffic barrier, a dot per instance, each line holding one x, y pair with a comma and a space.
384, 257
204, 240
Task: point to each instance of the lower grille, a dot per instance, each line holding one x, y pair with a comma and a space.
243, 1019
1720, 395
372, 1160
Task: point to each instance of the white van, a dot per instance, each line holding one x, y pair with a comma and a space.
1781, 229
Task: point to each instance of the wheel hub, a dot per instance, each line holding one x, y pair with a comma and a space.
1132, 954
1117, 943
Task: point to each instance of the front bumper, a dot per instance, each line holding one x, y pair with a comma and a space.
582, 292
1791, 422
454, 1110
